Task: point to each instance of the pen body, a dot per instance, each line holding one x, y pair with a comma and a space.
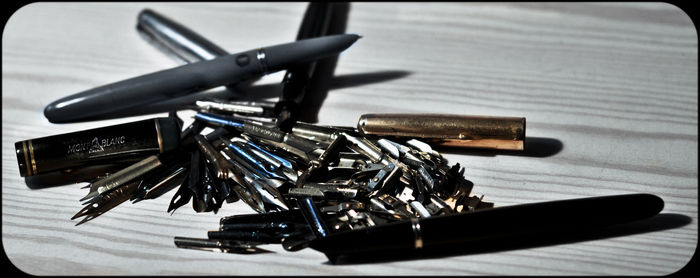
112, 144
154, 87
491, 225
190, 78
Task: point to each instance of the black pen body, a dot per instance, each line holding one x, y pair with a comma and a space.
105, 145
190, 78
490, 225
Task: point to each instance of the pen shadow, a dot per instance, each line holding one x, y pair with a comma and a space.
244, 92
660, 222
534, 147
257, 92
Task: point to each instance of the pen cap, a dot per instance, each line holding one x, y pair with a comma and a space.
503, 133
105, 145
175, 38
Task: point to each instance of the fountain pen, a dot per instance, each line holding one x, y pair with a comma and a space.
489, 226
195, 77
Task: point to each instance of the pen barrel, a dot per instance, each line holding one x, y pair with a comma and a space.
176, 38
105, 145
544, 218
486, 227
154, 87
466, 131
177, 82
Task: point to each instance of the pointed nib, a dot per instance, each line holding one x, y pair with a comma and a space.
89, 196
86, 219
79, 214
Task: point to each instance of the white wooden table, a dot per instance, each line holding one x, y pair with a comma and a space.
609, 91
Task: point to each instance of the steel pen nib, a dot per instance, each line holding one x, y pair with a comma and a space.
109, 201
121, 177
168, 183
217, 245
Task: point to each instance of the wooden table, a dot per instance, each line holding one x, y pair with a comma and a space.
609, 92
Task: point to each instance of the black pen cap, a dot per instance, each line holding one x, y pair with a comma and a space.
105, 145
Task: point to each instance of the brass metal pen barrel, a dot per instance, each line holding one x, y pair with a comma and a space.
487, 132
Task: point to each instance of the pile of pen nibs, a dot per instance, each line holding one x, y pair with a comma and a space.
305, 183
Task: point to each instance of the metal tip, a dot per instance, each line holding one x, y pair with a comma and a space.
86, 219
171, 211
89, 196
83, 211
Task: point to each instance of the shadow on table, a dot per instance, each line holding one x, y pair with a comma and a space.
663, 221
534, 147
258, 92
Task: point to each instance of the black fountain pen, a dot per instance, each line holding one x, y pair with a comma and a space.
190, 78
489, 226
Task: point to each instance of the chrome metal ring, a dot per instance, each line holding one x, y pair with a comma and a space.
261, 58
418, 244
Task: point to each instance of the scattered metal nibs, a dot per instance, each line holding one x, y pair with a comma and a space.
306, 184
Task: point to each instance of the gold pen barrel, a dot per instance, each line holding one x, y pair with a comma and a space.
466, 131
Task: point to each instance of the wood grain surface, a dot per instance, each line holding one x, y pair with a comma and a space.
609, 90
